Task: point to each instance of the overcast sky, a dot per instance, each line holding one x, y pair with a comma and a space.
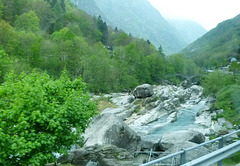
208, 13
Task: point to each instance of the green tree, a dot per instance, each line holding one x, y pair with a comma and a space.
235, 68
5, 63
157, 67
28, 49
123, 39
12, 9
8, 37
28, 22
215, 81
43, 11
39, 116
228, 99
102, 26
1, 9
177, 61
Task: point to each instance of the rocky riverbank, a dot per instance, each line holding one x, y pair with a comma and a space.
163, 118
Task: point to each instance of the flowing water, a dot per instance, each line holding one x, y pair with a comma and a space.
185, 120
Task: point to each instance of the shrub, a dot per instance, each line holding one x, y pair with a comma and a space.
215, 81
39, 116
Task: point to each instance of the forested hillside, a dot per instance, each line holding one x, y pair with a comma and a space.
216, 47
137, 17
49, 35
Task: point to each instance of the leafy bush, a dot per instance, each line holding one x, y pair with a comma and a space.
229, 100
215, 81
39, 116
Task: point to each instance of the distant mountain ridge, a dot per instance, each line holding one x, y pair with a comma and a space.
139, 18
218, 45
189, 29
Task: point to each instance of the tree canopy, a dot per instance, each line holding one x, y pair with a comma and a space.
40, 115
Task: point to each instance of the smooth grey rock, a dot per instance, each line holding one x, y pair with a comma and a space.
148, 145
130, 99
109, 129
101, 155
170, 139
91, 163
172, 117
143, 91
121, 112
190, 155
196, 90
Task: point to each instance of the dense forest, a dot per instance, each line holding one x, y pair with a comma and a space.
49, 35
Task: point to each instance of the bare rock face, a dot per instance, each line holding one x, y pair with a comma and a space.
110, 129
143, 91
190, 155
168, 140
98, 155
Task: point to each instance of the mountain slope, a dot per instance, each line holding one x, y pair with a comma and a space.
189, 30
88, 6
139, 18
218, 45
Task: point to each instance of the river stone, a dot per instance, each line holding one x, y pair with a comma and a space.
172, 117
120, 112
190, 155
100, 155
196, 90
110, 129
170, 139
91, 163
143, 91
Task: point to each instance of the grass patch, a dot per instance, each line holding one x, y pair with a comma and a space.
232, 160
104, 102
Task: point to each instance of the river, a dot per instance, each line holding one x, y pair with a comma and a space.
185, 120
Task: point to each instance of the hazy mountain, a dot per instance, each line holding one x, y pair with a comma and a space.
218, 45
188, 29
137, 17
88, 6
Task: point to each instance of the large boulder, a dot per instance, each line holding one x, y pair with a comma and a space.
143, 91
110, 129
170, 139
190, 155
98, 155
120, 112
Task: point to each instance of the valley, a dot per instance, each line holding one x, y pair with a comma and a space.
105, 81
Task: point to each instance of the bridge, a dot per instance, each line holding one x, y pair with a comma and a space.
216, 156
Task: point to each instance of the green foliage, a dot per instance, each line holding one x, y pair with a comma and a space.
28, 48
232, 160
43, 11
102, 26
157, 67
8, 37
64, 34
235, 67
215, 81
123, 39
216, 47
28, 22
229, 100
39, 116
183, 65
1, 9
12, 9
53, 34
4, 64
